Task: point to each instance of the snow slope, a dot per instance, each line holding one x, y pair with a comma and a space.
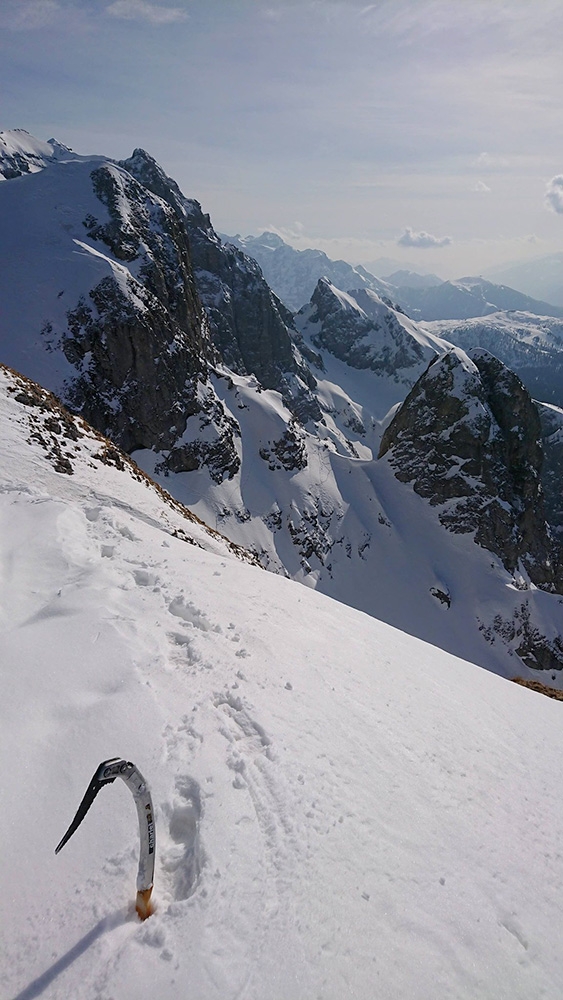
342, 810
531, 345
340, 522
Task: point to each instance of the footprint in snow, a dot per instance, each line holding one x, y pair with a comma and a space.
188, 612
182, 858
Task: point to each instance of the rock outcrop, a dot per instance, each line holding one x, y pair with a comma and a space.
551, 418
250, 328
359, 328
468, 439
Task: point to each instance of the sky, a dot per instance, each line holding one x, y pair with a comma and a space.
428, 131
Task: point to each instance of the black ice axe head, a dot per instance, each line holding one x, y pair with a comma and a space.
106, 772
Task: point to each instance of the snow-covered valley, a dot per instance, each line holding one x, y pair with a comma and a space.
342, 810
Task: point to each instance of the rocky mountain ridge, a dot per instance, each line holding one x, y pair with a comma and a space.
293, 274
468, 297
268, 426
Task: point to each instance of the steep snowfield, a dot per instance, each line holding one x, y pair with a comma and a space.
48, 265
342, 810
348, 528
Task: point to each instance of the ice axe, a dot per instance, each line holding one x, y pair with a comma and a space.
107, 772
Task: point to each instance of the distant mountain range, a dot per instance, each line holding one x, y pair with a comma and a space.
516, 335
531, 345
346, 446
411, 279
468, 297
383, 266
293, 274
541, 277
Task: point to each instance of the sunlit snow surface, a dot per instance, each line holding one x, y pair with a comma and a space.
342, 810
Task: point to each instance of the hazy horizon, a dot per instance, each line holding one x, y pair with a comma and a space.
426, 131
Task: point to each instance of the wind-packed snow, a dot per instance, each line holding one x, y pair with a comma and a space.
342, 810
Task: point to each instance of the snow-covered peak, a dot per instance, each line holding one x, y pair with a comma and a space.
328, 297
363, 330
22, 153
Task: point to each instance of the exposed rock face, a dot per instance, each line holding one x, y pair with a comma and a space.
468, 439
138, 341
362, 330
552, 471
250, 328
145, 229
120, 387
288, 452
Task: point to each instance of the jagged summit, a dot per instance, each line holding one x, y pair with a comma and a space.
293, 274
363, 330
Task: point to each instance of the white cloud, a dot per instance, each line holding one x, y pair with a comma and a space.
487, 161
422, 240
554, 194
481, 187
142, 10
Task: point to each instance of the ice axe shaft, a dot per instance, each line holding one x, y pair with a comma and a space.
106, 773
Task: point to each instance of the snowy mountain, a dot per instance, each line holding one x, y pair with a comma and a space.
468, 297
269, 429
531, 345
21, 154
316, 502
541, 277
411, 279
340, 808
293, 274
384, 266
